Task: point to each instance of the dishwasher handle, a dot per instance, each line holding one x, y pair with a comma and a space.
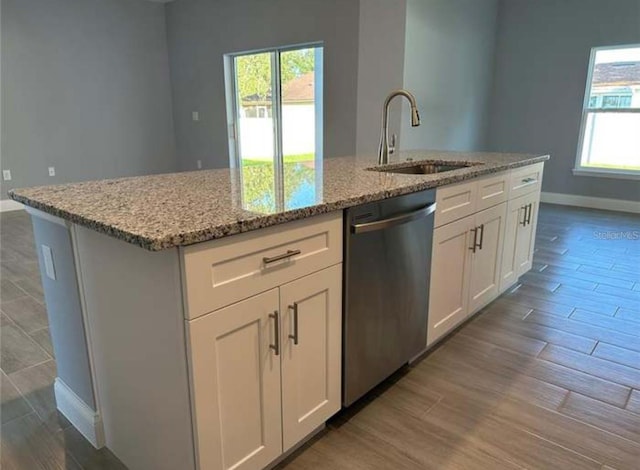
393, 221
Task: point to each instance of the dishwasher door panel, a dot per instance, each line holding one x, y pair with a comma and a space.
386, 289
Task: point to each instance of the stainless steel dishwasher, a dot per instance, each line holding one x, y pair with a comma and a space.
386, 291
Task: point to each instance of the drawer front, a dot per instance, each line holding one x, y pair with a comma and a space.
492, 190
455, 202
221, 272
526, 180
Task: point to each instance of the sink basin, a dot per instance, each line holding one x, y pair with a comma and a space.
424, 167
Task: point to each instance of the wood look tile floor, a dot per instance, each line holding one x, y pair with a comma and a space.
546, 377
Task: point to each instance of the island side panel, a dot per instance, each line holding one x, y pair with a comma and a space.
135, 317
64, 309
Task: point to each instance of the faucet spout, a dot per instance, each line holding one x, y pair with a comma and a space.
383, 150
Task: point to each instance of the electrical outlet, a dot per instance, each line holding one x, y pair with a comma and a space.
52, 171
199, 163
195, 115
6, 175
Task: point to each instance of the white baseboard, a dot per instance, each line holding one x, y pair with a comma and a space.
87, 421
7, 205
591, 202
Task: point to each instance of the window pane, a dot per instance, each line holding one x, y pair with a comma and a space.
612, 140
254, 80
615, 81
301, 91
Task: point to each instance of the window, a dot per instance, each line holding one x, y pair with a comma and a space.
610, 131
274, 109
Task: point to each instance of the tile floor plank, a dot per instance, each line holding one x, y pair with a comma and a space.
13, 404
603, 416
619, 355
598, 367
18, 350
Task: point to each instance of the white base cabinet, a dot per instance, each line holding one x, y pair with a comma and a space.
483, 241
266, 371
448, 292
522, 217
236, 385
465, 268
486, 258
311, 356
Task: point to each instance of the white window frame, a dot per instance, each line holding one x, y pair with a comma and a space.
578, 169
233, 106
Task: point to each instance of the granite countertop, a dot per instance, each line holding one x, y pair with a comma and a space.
164, 211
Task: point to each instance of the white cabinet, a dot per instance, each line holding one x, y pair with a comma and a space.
465, 269
220, 272
448, 291
483, 241
460, 200
236, 385
519, 239
311, 352
484, 282
266, 371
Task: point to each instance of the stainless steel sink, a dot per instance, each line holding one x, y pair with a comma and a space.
423, 167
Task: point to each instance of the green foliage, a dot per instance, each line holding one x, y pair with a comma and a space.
254, 71
296, 63
254, 75
303, 157
259, 186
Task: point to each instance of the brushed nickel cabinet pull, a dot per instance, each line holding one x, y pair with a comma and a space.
528, 212
528, 180
294, 336
523, 222
286, 255
474, 245
276, 347
481, 228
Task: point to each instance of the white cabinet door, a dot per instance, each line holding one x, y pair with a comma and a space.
509, 271
450, 269
311, 352
525, 241
486, 261
235, 376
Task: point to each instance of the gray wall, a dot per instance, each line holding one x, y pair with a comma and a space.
63, 309
448, 65
200, 32
85, 88
380, 68
541, 68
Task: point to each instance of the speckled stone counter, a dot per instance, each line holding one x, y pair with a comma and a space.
165, 211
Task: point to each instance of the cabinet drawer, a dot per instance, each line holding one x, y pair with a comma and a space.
526, 180
455, 202
492, 190
221, 272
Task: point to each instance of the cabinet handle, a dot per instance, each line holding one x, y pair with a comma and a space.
276, 347
474, 245
528, 212
528, 180
524, 219
481, 228
294, 336
286, 255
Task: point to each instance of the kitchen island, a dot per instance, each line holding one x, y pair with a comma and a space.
177, 343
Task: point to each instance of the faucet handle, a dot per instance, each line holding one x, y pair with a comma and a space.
392, 144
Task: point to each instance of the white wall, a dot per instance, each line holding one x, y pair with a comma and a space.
448, 65
200, 32
541, 69
85, 88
